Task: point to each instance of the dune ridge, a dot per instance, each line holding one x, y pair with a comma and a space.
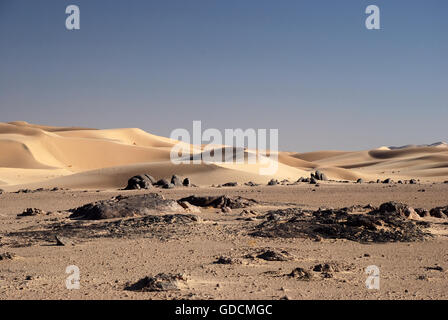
44, 156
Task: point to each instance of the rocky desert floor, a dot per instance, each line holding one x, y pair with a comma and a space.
257, 252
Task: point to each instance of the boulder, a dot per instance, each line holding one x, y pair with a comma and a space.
162, 183
31, 212
230, 184
301, 274
176, 181
413, 181
219, 201
360, 180
275, 255
160, 282
439, 212
273, 182
186, 182
144, 181
119, 207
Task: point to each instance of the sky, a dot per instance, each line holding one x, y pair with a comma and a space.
309, 68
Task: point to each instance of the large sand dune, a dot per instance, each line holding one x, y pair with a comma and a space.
43, 156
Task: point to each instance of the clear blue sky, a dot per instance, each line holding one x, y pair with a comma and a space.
309, 68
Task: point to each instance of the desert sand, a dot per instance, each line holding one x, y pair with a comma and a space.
87, 165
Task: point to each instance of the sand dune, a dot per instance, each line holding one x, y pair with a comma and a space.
44, 156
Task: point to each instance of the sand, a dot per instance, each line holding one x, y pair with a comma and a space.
94, 165
42, 156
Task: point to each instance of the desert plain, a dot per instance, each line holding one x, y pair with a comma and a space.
216, 231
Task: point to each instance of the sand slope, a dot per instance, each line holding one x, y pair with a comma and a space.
44, 156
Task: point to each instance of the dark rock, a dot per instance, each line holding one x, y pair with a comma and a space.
386, 225
413, 181
31, 212
313, 181
220, 201
301, 274
230, 184
275, 255
422, 212
251, 184
168, 186
395, 208
7, 256
186, 182
439, 212
162, 182
436, 268
61, 241
226, 210
386, 181
160, 282
273, 182
176, 181
226, 260
144, 181
119, 207
360, 180
301, 179
326, 267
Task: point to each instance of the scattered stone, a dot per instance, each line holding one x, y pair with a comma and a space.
120, 206
162, 183
360, 180
186, 182
436, 268
168, 186
226, 210
158, 283
226, 260
143, 181
422, 277
230, 184
313, 180
251, 184
220, 201
24, 191
7, 256
61, 241
439, 212
387, 181
301, 274
273, 182
318, 175
389, 224
301, 179
246, 213
31, 212
326, 267
395, 208
412, 181
275, 255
